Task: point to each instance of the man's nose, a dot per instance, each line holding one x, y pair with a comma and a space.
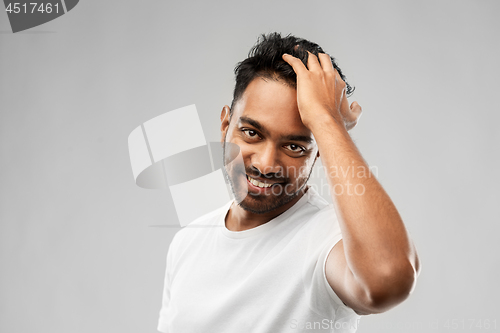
267, 161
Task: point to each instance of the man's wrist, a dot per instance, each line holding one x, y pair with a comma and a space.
325, 122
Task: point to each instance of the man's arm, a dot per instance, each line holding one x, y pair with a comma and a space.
375, 266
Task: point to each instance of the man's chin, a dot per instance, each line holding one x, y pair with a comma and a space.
264, 204
256, 208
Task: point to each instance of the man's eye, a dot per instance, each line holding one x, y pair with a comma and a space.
250, 133
295, 148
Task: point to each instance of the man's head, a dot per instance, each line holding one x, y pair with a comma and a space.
277, 149
264, 60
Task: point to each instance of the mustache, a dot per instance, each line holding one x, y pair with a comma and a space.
277, 177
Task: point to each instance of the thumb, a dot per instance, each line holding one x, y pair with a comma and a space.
355, 114
356, 109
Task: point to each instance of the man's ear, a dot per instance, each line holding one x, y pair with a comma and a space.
224, 122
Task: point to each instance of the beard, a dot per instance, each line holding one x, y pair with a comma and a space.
282, 192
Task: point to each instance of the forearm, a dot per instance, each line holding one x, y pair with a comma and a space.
378, 250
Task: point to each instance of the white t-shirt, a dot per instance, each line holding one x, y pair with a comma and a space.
266, 279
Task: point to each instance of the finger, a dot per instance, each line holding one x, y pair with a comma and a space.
338, 78
326, 62
356, 110
354, 115
313, 62
296, 63
344, 107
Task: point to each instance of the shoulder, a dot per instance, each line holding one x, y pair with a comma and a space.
319, 225
322, 213
202, 225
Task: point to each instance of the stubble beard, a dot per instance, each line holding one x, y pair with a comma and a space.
259, 204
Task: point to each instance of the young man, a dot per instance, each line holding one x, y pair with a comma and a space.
278, 258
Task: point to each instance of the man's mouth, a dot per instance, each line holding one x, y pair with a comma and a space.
258, 183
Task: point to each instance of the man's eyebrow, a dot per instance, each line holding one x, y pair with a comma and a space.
302, 138
253, 123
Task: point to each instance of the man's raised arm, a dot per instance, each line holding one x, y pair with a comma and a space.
375, 265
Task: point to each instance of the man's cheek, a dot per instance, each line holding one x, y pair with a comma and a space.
289, 189
233, 158
295, 174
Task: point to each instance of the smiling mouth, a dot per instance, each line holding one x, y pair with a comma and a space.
257, 183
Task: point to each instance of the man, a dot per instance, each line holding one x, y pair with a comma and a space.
278, 258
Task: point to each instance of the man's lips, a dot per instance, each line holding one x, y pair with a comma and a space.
260, 182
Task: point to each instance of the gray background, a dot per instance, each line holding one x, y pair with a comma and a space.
77, 250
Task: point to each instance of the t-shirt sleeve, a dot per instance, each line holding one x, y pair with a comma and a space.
324, 233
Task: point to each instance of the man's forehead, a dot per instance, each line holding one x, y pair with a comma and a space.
270, 106
264, 95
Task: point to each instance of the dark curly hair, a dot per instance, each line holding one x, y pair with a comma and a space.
265, 60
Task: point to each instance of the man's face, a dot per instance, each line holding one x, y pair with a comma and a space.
278, 151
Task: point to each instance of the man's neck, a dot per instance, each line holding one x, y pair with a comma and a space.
239, 219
